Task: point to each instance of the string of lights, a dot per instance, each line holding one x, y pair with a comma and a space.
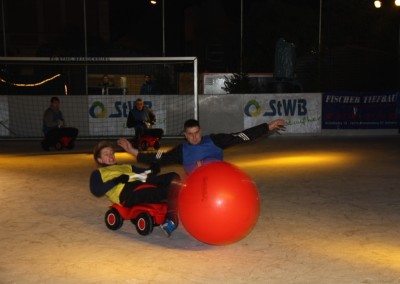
30, 84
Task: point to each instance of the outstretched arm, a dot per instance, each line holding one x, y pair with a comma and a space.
227, 140
173, 156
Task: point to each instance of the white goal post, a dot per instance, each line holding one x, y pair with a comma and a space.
28, 83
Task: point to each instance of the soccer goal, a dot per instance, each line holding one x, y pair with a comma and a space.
96, 94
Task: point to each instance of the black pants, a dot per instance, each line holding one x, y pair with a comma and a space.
139, 131
164, 187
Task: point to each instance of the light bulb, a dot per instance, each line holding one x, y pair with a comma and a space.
377, 3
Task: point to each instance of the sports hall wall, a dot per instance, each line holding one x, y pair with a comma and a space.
305, 113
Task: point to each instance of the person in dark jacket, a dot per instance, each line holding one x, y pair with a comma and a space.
54, 126
199, 149
140, 118
148, 87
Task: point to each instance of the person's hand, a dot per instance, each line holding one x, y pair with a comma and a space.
142, 176
154, 168
127, 146
124, 144
121, 179
278, 124
60, 123
147, 123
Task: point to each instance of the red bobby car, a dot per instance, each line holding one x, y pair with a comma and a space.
63, 142
144, 216
150, 138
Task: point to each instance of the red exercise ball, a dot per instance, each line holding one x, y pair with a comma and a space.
219, 204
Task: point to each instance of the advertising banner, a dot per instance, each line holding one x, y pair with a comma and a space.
108, 114
347, 110
302, 112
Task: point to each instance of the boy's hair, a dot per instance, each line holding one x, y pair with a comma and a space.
191, 123
100, 146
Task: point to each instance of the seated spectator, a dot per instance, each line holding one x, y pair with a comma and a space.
54, 126
141, 118
148, 87
106, 82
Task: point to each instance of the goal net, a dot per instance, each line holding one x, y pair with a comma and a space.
88, 102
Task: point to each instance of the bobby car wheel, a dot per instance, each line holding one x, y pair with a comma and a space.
144, 145
143, 223
113, 219
70, 146
58, 146
157, 145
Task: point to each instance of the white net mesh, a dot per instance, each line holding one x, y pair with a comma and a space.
96, 110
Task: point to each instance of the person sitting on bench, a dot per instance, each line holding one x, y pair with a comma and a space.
54, 126
141, 118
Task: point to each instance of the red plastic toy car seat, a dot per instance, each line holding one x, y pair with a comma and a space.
147, 141
144, 216
64, 142
150, 138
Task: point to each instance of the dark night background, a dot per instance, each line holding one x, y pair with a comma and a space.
359, 48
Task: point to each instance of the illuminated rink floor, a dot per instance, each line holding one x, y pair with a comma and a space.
330, 213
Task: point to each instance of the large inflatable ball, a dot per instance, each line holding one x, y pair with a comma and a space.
219, 204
